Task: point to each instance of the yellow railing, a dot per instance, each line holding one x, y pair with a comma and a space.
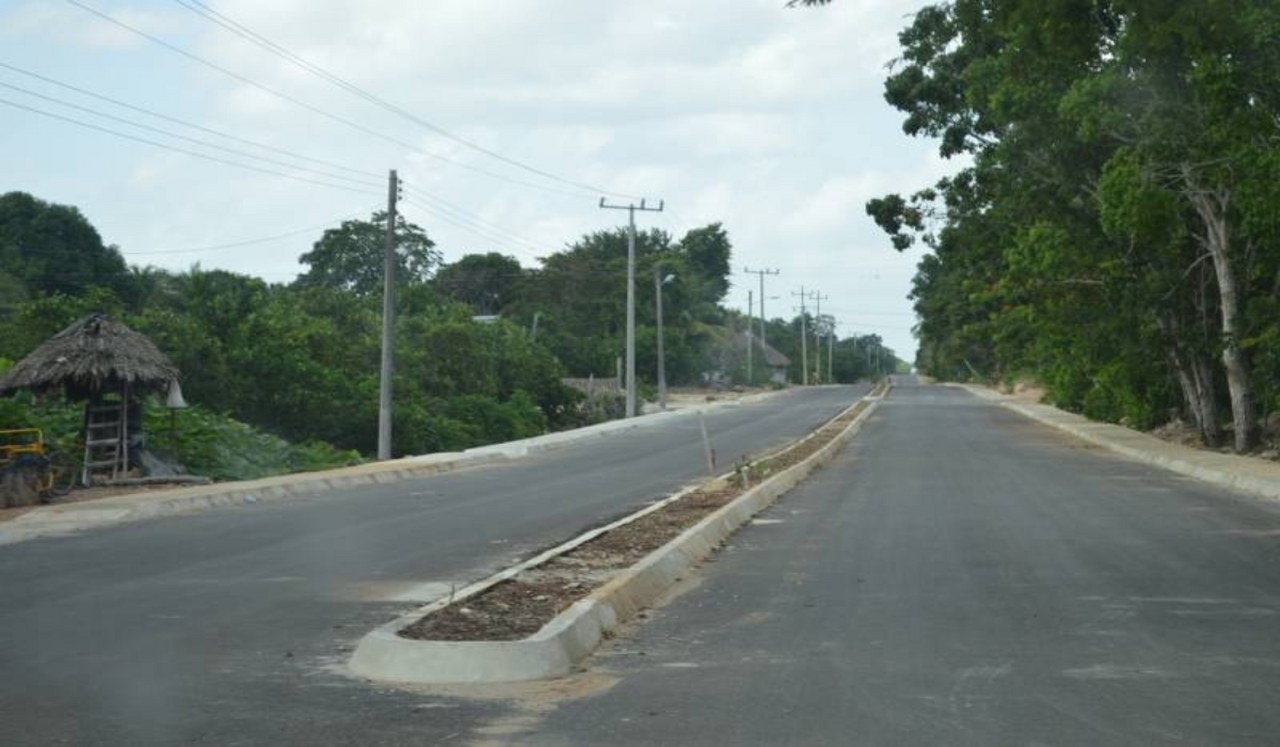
19, 441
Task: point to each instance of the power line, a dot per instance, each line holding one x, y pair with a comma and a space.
309, 107
244, 32
177, 149
247, 242
471, 228
184, 123
459, 212
196, 141
472, 217
851, 312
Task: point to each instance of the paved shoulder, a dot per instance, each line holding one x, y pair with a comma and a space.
1257, 476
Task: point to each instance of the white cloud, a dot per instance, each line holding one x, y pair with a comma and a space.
769, 120
740, 134
70, 25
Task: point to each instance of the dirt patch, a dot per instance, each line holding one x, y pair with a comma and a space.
1178, 432
1182, 433
1028, 392
519, 607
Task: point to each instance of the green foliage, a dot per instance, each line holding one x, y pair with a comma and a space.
351, 257
224, 449
34, 320
48, 249
204, 442
301, 361
579, 297
60, 421
705, 254
1122, 175
485, 282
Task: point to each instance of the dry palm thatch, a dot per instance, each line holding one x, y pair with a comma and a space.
96, 354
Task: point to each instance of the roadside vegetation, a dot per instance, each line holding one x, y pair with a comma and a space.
1112, 230
284, 376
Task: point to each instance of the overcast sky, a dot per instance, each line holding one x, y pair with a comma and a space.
768, 120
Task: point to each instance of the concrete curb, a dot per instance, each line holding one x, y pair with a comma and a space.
569, 638
1246, 474
64, 519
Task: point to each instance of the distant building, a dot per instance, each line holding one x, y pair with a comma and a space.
777, 362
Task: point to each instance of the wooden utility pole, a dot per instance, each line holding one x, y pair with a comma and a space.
388, 320
631, 293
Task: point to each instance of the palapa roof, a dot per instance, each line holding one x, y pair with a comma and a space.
95, 354
772, 357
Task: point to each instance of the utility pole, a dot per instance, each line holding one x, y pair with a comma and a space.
804, 340
631, 294
388, 320
817, 333
761, 273
750, 307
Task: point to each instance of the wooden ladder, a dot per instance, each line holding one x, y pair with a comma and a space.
105, 448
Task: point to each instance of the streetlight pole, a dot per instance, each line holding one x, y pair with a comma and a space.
831, 352
804, 339
750, 307
388, 320
817, 336
658, 282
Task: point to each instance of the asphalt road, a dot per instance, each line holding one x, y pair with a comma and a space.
230, 627
958, 576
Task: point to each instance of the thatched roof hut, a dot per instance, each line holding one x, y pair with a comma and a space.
97, 354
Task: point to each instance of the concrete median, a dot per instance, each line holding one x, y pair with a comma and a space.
573, 634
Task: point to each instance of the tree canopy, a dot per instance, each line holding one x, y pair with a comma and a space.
47, 248
301, 360
1114, 234
350, 257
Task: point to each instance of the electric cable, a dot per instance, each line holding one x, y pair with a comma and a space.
247, 242
175, 135
175, 148
184, 123
446, 205
311, 108
262, 42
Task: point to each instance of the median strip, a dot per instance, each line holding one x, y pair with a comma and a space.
540, 618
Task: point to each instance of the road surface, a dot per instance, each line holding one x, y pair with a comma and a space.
960, 576
230, 627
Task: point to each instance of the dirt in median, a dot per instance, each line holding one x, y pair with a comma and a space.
518, 608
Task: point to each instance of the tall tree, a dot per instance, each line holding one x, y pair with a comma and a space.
485, 282
351, 256
54, 249
706, 253
1119, 157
